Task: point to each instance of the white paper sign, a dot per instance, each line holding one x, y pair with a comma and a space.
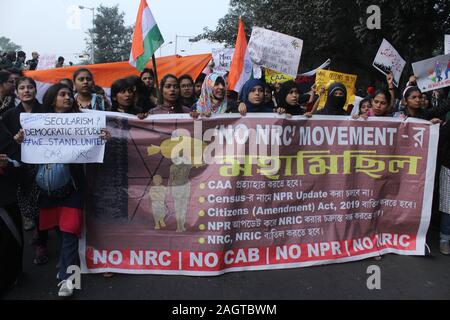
388, 59
63, 138
46, 61
447, 44
222, 60
275, 51
433, 74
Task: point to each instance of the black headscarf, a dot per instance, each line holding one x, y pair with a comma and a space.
285, 89
335, 105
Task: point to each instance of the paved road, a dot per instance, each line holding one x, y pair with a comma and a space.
401, 278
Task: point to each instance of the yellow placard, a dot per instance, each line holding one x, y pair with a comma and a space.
273, 77
326, 77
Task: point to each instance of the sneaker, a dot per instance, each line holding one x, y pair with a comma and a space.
445, 248
28, 224
64, 291
41, 256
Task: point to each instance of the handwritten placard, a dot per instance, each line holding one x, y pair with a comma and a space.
275, 51
324, 78
63, 138
389, 60
222, 60
46, 61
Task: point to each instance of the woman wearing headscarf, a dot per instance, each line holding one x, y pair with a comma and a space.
336, 99
252, 98
213, 99
288, 99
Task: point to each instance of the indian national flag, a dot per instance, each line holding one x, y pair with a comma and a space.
241, 65
146, 38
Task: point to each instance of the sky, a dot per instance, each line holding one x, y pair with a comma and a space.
58, 27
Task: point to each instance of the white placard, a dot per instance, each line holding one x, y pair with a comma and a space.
46, 61
222, 60
388, 59
275, 51
63, 138
447, 44
433, 73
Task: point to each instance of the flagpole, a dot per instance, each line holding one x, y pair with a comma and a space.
158, 92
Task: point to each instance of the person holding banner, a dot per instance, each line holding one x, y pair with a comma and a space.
85, 97
253, 98
444, 188
170, 90
268, 96
213, 98
28, 190
288, 99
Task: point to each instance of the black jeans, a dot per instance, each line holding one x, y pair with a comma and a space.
68, 255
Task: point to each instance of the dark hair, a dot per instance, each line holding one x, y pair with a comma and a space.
146, 70
4, 76
21, 54
385, 93
117, 87
11, 56
15, 71
67, 80
364, 101
200, 78
142, 94
60, 59
50, 97
409, 91
185, 77
77, 73
23, 79
99, 89
177, 106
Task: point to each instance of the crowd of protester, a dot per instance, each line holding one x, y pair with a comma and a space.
27, 207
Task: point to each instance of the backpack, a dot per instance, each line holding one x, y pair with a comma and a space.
55, 180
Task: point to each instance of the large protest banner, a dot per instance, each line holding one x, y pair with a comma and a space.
181, 197
433, 74
389, 60
326, 77
275, 51
63, 138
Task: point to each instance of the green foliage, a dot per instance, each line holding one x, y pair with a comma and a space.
7, 45
112, 38
337, 29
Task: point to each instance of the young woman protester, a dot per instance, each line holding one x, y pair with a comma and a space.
213, 98
336, 99
28, 191
252, 98
85, 96
170, 90
142, 99
187, 94
62, 207
148, 77
288, 99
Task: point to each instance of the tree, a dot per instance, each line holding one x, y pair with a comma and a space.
112, 38
7, 45
337, 29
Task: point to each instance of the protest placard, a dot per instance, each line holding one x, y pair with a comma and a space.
275, 51
63, 138
332, 191
433, 73
46, 61
389, 60
326, 77
222, 60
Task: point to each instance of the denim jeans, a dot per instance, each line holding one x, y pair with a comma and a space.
68, 255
